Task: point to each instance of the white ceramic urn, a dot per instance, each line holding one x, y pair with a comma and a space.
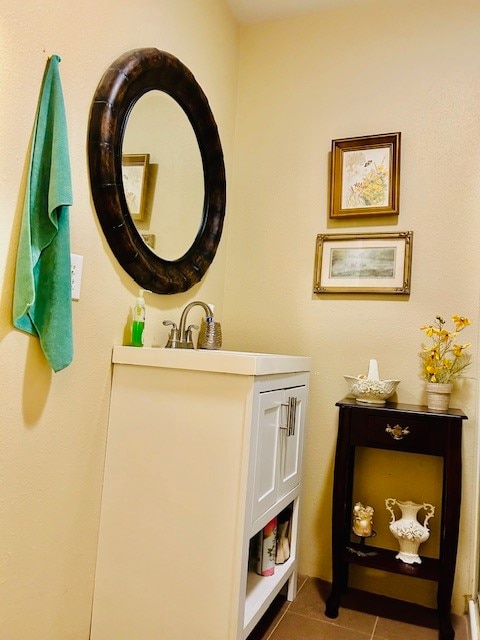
407, 530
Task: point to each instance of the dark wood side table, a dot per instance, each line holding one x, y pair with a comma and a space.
411, 429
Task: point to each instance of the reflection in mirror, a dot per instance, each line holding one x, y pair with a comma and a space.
134, 178
173, 178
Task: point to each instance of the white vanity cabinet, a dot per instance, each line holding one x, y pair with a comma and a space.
203, 449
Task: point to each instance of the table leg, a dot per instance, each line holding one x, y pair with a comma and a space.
452, 496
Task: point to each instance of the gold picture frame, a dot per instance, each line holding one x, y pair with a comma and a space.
363, 263
134, 176
149, 239
365, 176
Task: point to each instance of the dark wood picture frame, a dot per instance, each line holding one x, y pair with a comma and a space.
365, 176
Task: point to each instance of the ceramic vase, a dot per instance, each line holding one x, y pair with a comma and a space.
438, 395
407, 530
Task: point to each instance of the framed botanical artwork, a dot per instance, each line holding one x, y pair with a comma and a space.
134, 176
365, 176
363, 263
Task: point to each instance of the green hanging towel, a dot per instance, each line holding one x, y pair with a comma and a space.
42, 304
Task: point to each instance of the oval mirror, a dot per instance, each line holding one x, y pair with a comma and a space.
124, 177
170, 175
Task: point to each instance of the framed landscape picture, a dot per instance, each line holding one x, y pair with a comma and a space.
363, 263
365, 176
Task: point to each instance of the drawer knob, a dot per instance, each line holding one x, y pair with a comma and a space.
397, 432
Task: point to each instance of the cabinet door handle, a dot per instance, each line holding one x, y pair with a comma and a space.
397, 432
291, 416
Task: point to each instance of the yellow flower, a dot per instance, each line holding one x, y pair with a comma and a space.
458, 348
435, 352
461, 322
442, 360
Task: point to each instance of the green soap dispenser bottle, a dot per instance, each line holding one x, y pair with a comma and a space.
138, 324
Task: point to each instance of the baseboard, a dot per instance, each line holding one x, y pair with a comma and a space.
474, 617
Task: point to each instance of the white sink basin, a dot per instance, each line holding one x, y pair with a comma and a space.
238, 362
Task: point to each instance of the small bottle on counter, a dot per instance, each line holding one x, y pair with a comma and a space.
138, 323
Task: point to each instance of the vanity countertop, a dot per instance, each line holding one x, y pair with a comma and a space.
237, 362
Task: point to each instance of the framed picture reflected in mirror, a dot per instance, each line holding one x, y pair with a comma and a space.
134, 176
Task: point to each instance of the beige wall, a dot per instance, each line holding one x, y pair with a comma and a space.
53, 427
373, 67
377, 67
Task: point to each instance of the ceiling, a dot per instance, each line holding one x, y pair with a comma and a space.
256, 10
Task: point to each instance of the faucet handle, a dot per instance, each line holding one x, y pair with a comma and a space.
173, 337
189, 336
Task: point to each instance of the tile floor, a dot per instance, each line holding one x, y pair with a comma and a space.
359, 618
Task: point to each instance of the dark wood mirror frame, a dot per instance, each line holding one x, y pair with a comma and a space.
129, 77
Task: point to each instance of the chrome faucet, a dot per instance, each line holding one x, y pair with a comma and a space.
181, 337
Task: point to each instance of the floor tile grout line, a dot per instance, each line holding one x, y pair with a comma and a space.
287, 608
278, 622
369, 635
328, 622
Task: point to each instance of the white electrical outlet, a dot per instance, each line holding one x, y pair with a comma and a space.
77, 267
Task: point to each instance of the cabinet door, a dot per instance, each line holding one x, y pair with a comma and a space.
269, 419
291, 441
278, 447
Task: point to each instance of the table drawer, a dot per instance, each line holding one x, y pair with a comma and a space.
398, 432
